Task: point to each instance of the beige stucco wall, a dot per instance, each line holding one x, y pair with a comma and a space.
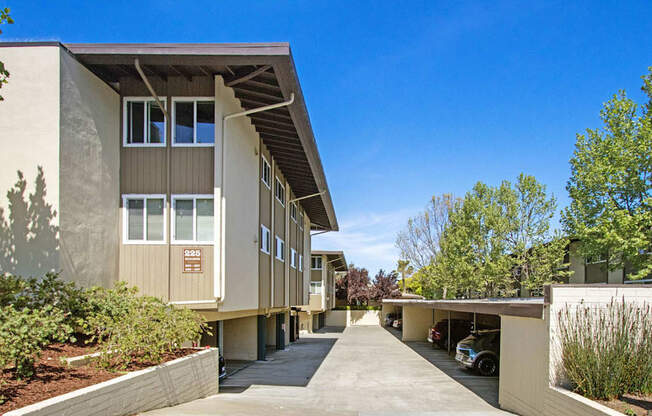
240, 338
336, 318
242, 205
523, 377
416, 322
29, 137
89, 176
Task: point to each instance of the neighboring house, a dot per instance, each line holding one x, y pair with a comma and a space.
187, 170
324, 266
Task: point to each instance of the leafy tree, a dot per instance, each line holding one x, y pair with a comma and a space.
419, 241
405, 270
499, 239
611, 186
5, 18
342, 287
358, 285
385, 286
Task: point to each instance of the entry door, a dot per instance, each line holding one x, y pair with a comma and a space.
280, 331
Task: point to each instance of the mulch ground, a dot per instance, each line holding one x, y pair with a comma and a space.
639, 404
52, 378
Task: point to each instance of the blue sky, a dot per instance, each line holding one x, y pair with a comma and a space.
407, 99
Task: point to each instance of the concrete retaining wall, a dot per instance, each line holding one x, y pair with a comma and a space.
561, 402
352, 318
179, 381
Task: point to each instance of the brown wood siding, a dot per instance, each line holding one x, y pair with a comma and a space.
143, 170
191, 170
264, 271
191, 286
279, 283
157, 269
146, 267
315, 275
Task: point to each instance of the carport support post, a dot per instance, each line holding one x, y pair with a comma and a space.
262, 338
449, 332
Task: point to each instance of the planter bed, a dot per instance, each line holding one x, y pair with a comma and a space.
54, 378
638, 404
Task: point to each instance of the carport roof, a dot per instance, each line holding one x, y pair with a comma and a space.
523, 307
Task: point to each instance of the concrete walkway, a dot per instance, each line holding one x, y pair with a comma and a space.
362, 370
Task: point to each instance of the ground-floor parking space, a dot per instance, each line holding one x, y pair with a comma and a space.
358, 370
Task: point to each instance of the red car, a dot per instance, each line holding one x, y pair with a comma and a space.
460, 329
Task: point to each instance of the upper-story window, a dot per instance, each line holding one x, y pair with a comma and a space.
280, 191
280, 249
265, 172
194, 121
301, 262
265, 239
143, 219
144, 122
192, 219
301, 221
315, 262
293, 211
293, 258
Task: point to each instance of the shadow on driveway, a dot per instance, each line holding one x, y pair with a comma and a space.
293, 366
484, 387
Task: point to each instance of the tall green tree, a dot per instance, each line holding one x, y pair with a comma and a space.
499, 240
5, 18
611, 186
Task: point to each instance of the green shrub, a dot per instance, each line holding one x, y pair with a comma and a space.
607, 352
24, 333
50, 290
131, 328
357, 308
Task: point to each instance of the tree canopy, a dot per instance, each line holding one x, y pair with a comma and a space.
611, 186
5, 18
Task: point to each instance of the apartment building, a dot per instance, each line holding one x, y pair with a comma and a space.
188, 170
324, 267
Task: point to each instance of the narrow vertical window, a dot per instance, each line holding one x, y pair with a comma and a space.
265, 172
280, 192
205, 228
136, 211
183, 219
293, 211
316, 263
293, 258
265, 242
280, 249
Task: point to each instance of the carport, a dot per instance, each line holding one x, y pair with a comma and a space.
420, 314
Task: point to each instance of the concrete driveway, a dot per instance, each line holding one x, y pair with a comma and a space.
362, 370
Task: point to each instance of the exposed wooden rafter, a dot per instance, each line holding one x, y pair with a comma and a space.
249, 76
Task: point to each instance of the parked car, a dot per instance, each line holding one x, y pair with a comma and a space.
460, 329
480, 351
398, 323
222, 367
389, 319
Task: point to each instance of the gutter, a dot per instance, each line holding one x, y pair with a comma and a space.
219, 287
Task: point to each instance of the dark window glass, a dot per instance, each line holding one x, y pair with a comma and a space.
183, 122
205, 122
135, 122
156, 123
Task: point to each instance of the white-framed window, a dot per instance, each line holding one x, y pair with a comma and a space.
143, 122
192, 219
193, 121
280, 249
265, 172
315, 263
293, 211
279, 191
265, 239
293, 258
301, 221
315, 288
143, 219
301, 262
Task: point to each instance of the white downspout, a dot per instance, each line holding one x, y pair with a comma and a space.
220, 270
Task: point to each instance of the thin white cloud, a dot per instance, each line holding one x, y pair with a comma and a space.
367, 240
